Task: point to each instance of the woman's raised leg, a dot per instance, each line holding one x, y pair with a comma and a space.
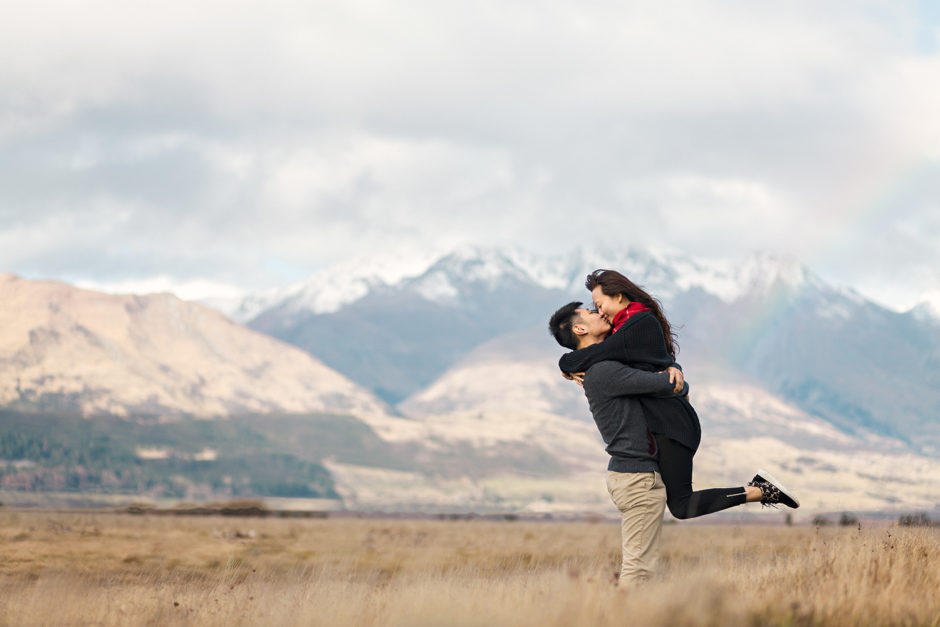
675, 464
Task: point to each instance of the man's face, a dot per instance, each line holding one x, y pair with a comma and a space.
590, 324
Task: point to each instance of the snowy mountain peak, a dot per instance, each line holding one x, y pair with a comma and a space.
665, 273
338, 285
483, 265
763, 270
929, 307
442, 278
730, 280
486, 266
447, 278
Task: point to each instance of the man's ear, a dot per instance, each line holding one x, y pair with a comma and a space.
578, 328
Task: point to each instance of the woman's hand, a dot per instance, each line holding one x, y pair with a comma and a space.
676, 378
577, 377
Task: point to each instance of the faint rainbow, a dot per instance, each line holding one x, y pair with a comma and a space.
883, 185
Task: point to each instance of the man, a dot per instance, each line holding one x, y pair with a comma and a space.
633, 478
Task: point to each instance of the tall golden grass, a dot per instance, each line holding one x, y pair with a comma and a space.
108, 569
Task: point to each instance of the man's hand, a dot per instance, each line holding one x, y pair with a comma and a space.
577, 377
676, 378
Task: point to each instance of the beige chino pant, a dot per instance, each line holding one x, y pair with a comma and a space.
641, 499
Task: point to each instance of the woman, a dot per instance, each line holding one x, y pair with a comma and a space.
642, 338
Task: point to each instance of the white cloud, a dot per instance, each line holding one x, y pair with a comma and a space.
240, 143
187, 290
722, 209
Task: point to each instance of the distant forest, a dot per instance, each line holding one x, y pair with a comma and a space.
48, 453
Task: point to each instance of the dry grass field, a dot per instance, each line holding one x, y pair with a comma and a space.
109, 569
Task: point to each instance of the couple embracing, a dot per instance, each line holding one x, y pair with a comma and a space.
623, 354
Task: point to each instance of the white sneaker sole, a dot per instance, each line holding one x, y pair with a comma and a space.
769, 477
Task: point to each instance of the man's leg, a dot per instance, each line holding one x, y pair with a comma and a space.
641, 499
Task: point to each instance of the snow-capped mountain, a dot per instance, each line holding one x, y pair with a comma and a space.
765, 319
399, 337
928, 308
442, 279
666, 274
330, 290
786, 372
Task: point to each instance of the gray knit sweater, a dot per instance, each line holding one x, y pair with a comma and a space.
611, 389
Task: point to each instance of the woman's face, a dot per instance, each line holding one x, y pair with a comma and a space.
608, 306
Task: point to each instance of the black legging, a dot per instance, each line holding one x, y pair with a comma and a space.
675, 464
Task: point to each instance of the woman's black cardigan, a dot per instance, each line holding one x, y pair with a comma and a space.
640, 343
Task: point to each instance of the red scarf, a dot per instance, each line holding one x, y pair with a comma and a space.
626, 312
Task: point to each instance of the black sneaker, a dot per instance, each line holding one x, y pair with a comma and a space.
772, 491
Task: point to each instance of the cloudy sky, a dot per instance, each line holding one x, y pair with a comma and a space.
218, 147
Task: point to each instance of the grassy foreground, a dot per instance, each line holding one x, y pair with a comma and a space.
104, 569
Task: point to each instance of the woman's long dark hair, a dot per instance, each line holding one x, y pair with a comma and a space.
612, 283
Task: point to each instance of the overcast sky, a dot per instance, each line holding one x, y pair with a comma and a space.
218, 147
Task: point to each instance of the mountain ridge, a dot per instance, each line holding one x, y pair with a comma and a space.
494, 425
70, 349
826, 348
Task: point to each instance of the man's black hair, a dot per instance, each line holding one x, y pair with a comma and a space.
560, 325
